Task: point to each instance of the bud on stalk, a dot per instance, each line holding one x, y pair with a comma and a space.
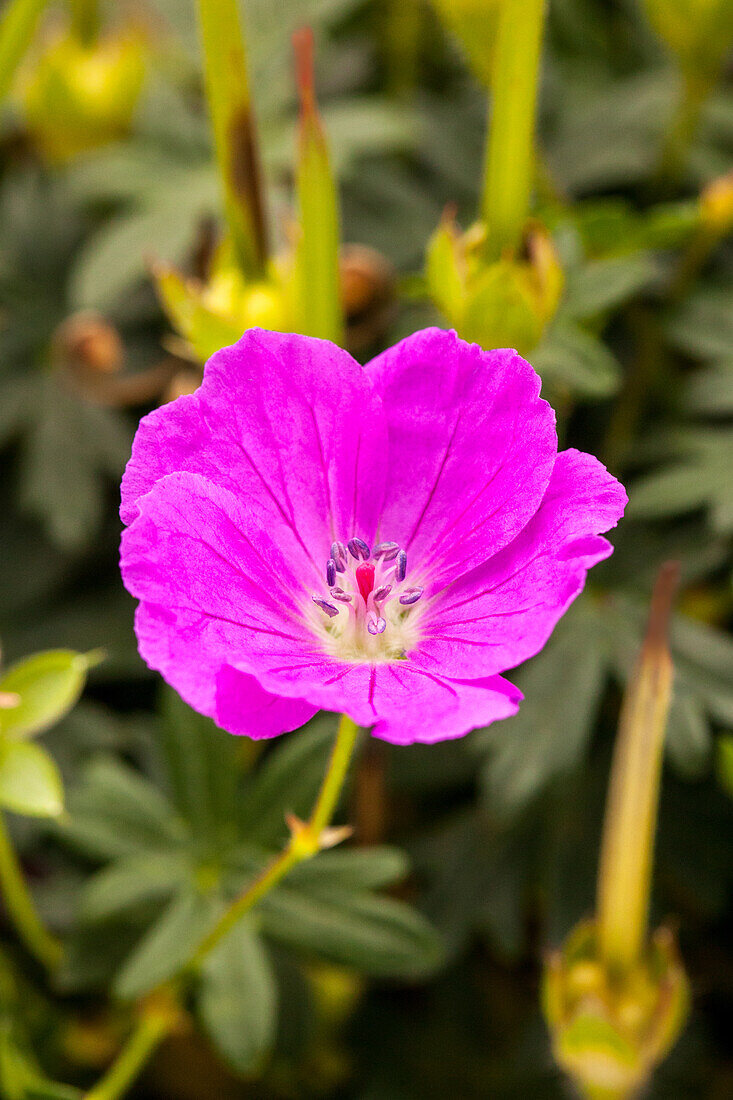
614, 998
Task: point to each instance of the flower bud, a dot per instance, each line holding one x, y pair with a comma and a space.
609, 1032
77, 96
504, 303
716, 206
86, 340
367, 294
211, 313
614, 999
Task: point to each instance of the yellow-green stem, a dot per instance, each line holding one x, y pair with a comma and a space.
624, 878
150, 1029
305, 840
39, 941
235, 136
17, 27
510, 148
317, 255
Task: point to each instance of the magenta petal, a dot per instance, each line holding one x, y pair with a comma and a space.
471, 447
244, 707
402, 703
503, 612
289, 424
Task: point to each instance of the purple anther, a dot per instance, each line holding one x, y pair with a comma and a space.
358, 549
340, 595
381, 593
377, 626
324, 605
386, 550
330, 572
411, 595
338, 556
400, 569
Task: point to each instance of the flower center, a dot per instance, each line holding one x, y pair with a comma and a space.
367, 610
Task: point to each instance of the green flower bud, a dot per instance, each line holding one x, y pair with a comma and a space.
505, 303
77, 96
209, 315
610, 1031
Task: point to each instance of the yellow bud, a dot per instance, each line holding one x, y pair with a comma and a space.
77, 96
716, 206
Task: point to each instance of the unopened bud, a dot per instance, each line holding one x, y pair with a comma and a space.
502, 303
610, 1033
79, 95
716, 206
87, 340
367, 294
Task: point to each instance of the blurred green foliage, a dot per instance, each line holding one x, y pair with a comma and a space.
406, 964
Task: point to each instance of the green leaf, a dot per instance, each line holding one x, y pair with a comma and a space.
203, 767
287, 782
352, 869
132, 880
688, 738
571, 357
48, 684
725, 762
548, 736
602, 285
168, 945
237, 1001
703, 325
377, 935
29, 781
115, 811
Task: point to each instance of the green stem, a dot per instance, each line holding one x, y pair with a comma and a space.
86, 19
150, 1030
235, 137
41, 944
304, 843
403, 31
624, 878
17, 27
510, 148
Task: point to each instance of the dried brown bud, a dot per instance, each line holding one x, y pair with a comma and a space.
86, 340
367, 293
186, 380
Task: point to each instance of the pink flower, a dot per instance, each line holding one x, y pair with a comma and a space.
307, 534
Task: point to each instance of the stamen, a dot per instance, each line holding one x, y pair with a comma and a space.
338, 556
411, 595
381, 593
377, 626
400, 569
331, 572
340, 595
324, 605
386, 550
358, 549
